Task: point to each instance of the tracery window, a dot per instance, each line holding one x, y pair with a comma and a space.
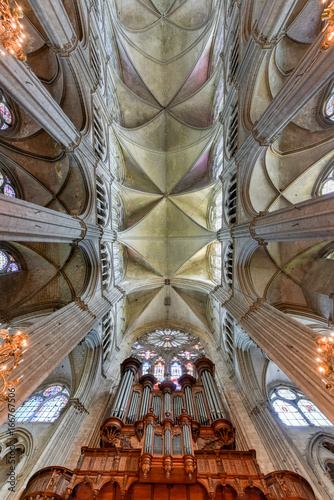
294, 409
8, 263
44, 406
6, 117
6, 185
216, 210
217, 158
215, 261
329, 105
168, 354
105, 266
327, 183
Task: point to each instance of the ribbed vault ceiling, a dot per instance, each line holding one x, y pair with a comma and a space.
165, 91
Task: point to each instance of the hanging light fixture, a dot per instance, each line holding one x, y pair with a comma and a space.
11, 36
328, 16
12, 348
326, 358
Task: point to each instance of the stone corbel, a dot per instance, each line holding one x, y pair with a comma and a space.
79, 407
253, 307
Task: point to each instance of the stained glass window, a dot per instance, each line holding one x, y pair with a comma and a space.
51, 391
50, 410
312, 413
146, 367
293, 409
7, 263
5, 185
28, 408
170, 352
329, 106
6, 119
45, 406
189, 369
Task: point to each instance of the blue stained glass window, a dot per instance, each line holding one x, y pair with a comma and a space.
146, 367
6, 117
51, 391
329, 109
50, 410
7, 263
28, 408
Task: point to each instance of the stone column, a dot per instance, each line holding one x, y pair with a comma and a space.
205, 369
186, 382
312, 74
51, 339
19, 81
24, 221
308, 220
271, 23
148, 382
54, 19
290, 344
129, 368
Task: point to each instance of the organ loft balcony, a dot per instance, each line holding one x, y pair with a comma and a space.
166, 439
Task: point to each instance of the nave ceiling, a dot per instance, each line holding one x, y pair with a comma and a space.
165, 88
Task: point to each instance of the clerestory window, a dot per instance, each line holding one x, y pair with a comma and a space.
294, 409
44, 406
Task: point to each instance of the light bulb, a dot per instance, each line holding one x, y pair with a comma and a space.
321, 369
319, 360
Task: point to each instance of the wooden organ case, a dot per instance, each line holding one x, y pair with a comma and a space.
160, 443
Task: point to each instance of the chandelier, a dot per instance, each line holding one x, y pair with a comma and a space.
328, 16
11, 36
12, 348
326, 357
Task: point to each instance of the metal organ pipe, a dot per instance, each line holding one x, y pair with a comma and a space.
189, 401
125, 398
144, 401
120, 394
208, 397
168, 442
148, 439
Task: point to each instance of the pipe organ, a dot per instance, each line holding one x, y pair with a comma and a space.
166, 439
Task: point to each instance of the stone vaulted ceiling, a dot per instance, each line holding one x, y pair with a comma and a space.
165, 89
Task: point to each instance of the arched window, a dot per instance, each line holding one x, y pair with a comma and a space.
216, 210
102, 207
232, 134
170, 352
105, 266
217, 158
294, 409
215, 261
6, 116
44, 406
327, 183
231, 201
8, 263
329, 105
175, 372
146, 368
228, 263
6, 186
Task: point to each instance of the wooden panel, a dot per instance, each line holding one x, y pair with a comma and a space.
82, 492
226, 493
107, 492
254, 494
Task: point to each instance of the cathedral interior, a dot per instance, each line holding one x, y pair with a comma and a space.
167, 245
